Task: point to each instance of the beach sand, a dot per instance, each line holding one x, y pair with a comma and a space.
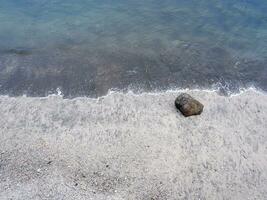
128, 146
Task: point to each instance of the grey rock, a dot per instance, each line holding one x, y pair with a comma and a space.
188, 105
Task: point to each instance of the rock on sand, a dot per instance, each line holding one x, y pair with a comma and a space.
188, 105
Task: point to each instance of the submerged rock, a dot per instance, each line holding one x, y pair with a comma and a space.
18, 51
188, 105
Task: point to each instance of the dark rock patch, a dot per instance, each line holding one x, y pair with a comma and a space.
17, 51
188, 105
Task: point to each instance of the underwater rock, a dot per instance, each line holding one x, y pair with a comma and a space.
17, 51
188, 105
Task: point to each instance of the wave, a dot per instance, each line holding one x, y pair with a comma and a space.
215, 89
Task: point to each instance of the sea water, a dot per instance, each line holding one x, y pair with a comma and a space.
86, 47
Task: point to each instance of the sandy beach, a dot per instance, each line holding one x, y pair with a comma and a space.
128, 146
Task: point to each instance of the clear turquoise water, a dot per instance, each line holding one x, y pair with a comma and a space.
86, 47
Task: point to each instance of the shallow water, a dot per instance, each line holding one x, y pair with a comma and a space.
87, 47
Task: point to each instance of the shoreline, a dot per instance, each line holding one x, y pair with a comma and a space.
81, 72
140, 93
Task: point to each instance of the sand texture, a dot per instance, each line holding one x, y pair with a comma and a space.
127, 146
